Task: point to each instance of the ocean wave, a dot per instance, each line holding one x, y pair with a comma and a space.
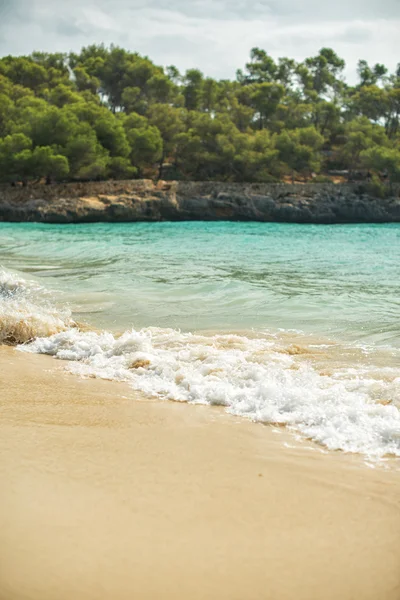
266, 378
251, 377
26, 311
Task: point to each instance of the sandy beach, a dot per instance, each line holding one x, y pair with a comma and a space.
105, 494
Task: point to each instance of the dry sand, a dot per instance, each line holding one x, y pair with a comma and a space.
108, 496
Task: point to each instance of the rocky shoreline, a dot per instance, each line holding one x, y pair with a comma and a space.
143, 200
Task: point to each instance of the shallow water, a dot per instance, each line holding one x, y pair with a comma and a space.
283, 323
341, 281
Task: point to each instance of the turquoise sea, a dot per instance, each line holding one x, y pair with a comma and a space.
287, 323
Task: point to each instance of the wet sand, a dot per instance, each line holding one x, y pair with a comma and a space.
107, 495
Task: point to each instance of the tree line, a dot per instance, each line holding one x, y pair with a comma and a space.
109, 113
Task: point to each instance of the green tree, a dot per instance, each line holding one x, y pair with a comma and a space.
109, 112
382, 160
360, 135
62, 95
265, 98
121, 168
370, 76
371, 101
24, 72
145, 142
111, 135
169, 121
258, 159
6, 113
46, 163
322, 73
260, 69
193, 90
15, 157
299, 150
87, 158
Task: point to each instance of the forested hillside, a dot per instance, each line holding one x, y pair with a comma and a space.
109, 113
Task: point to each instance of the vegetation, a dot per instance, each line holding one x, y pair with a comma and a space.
109, 113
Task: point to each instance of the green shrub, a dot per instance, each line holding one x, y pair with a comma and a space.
376, 188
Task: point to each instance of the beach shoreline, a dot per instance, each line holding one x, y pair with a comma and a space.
108, 494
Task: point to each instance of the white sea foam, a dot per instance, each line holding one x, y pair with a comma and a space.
251, 377
26, 310
264, 378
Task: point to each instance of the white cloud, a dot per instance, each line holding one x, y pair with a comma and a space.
214, 35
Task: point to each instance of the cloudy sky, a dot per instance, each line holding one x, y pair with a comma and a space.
214, 35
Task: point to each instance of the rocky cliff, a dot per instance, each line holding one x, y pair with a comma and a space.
145, 201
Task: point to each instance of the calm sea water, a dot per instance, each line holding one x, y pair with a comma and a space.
340, 281
280, 323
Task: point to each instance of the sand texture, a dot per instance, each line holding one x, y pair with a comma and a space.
105, 495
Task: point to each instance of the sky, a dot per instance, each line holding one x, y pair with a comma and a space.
213, 35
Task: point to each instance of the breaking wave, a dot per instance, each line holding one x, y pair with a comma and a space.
26, 311
261, 377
